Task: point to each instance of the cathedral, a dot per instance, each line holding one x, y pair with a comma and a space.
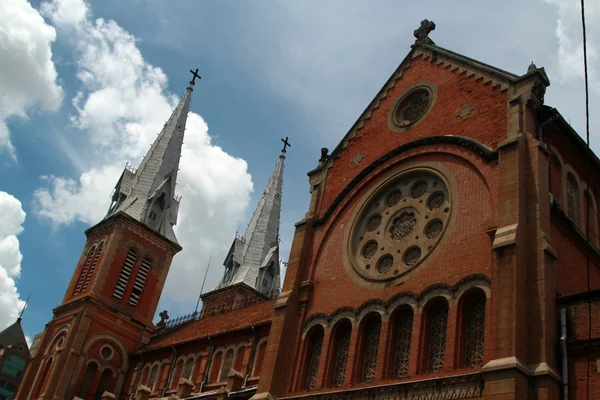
450, 250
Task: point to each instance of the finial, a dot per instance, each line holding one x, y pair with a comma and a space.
195, 73
285, 144
324, 153
24, 307
422, 33
164, 316
531, 67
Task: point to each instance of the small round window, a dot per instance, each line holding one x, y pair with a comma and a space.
411, 107
400, 225
106, 352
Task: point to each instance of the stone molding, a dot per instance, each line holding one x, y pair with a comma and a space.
539, 369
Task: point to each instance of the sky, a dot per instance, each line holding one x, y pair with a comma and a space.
86, 86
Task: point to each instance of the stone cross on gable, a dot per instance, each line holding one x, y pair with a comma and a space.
422, 33
164, 316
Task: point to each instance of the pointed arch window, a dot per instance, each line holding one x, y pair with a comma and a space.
437, 325
92, 267
86, 266
341, 350
313, 357
260, 357
227, 363
140, 282
572, 198
216, 366
554, 177
88, 380
103, 384
402, 325
153, 377
123, 280
177, 375
370, 347
187, 369
239, 359
43, 380
474, 328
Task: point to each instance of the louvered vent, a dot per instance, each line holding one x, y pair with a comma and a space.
140, 281
125, 274
88, 261
92, 268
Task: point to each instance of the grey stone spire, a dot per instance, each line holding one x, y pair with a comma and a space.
148, 193
254, 258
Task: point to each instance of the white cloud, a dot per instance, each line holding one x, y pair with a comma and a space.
570, 40
11, 221
27, 74
121, 105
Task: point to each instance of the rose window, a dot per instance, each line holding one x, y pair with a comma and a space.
399, 225
412, 107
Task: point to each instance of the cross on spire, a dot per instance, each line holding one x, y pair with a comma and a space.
195, 73
285, 144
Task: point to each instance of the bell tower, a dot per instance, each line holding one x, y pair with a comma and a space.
109, 304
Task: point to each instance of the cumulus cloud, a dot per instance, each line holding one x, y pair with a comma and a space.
11, 221
28, 77
120, 107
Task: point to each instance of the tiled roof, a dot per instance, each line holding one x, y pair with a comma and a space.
242, 318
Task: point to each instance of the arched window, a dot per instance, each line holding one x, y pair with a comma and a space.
402, 322
239, 359
140, 281
260, 357
227, 363
153, 377
177, 374
474, 327
123, 280
43, 380
88, 380
313, 356
92, 267
162, 376
188, 368
554, 177
341, 348
437, 323
103, 384
370, 347
86, 266
572, 198
145, 373
216, 366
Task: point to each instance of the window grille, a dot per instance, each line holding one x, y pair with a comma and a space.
341, 356
227, 365
404, 322
92, 267
371, 345
571, 198
474, 331
128, 265
153, 376
314, 357
86, 266
187, 369
140, 281
438, 319
88, 379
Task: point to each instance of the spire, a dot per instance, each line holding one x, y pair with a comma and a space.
254, 258
148, 193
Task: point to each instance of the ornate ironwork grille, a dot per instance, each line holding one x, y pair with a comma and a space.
316, 344
438, 320
404, 323
371, 345
226, 365
571, 199
474, 331
341, 356
187, 369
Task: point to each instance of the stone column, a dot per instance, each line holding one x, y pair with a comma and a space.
415, 344
383, 349
351, 366
324, 361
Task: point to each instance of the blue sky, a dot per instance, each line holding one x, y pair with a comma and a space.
86, 86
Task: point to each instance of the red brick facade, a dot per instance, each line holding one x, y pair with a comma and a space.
468, 310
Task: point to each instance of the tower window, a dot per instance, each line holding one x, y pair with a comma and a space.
88, 261
140, 282
92, 267
152, 216
123, 280
572, 198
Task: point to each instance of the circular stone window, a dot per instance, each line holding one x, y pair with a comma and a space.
399, 225
412, 106
106, 352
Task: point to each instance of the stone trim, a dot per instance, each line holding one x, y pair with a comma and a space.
392, 123
540, 369
480, 149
